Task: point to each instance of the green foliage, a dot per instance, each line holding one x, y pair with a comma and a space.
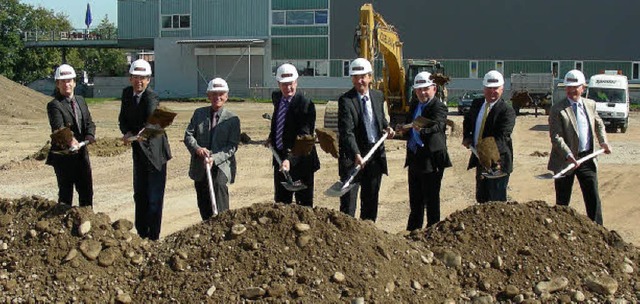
25, 65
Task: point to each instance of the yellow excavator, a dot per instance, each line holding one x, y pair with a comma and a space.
374, 37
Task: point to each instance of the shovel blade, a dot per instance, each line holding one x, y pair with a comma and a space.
547, 175
494, 174
294, 186
339, 189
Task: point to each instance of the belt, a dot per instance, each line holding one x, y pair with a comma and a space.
584, 153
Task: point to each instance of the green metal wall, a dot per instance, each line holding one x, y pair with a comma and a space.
299, 30
533, 66
299, 48
596, 67
175, 33
138, 19
297, 4
170, 7
456, 68
237, 18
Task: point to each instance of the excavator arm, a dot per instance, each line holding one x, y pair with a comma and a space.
375, 36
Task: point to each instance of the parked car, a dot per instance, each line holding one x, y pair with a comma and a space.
467, 98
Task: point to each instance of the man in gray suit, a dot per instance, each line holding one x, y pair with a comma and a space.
574, 125
212, 136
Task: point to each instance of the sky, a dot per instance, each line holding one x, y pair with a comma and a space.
76, 10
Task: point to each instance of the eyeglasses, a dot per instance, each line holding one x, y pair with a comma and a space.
138, 77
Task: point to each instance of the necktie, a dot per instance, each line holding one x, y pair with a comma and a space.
280, 117
484, 119
74, 108
583, 126
368, 119
136, 98
414, 140
214, 120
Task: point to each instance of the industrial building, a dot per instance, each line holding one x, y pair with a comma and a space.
245, 40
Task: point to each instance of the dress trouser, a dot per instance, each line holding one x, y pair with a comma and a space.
490, 189
424, 192
75, 171
303, 197
588, 178
148, 194
220, 190
369, 180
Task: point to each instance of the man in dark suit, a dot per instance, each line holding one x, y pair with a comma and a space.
150, 155
491, 116
427, 155
69, 110
213, 136
361, 123
574, 125
293, 115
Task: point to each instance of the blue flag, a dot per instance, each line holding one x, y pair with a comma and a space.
87, 18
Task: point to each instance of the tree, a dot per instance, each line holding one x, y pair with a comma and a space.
16, 20
103, 62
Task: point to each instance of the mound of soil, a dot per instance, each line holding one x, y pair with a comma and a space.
516, 249
21, 102
507, 252
108, 147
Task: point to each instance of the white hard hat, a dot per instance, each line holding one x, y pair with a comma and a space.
360, 66
65, 71
286, 73
217, 85
422, 80
574, 78
140, 67
493, 79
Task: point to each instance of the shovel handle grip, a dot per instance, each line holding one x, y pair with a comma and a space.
579, 161
212, 194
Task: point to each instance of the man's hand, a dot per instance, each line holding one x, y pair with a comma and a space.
573, 160
286, 165
390, 133
607, 149
125, 138
359, 161
203, 153
90, 138
466, 142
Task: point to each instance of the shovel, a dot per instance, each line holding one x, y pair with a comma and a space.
564, 171
340, 188
290, 185
214, 204
490, 173
72, 149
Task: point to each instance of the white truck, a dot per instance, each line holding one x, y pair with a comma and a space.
532, 90
611, 93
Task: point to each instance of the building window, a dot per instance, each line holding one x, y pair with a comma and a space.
345, 68
578, 65
500, 66
635, 74
555, 69
306, 68
277, 18
176, 21
473, 69
300, 17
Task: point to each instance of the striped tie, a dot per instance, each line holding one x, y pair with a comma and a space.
280, 117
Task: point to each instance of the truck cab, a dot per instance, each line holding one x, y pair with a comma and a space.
611, 93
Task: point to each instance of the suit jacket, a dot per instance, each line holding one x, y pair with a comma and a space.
61, 115
500, 123
222, 141
300, 119
134, 117
563, 130
433, 156
353, 138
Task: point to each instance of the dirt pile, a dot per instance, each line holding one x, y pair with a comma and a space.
21, 102
518, 253
534, 251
